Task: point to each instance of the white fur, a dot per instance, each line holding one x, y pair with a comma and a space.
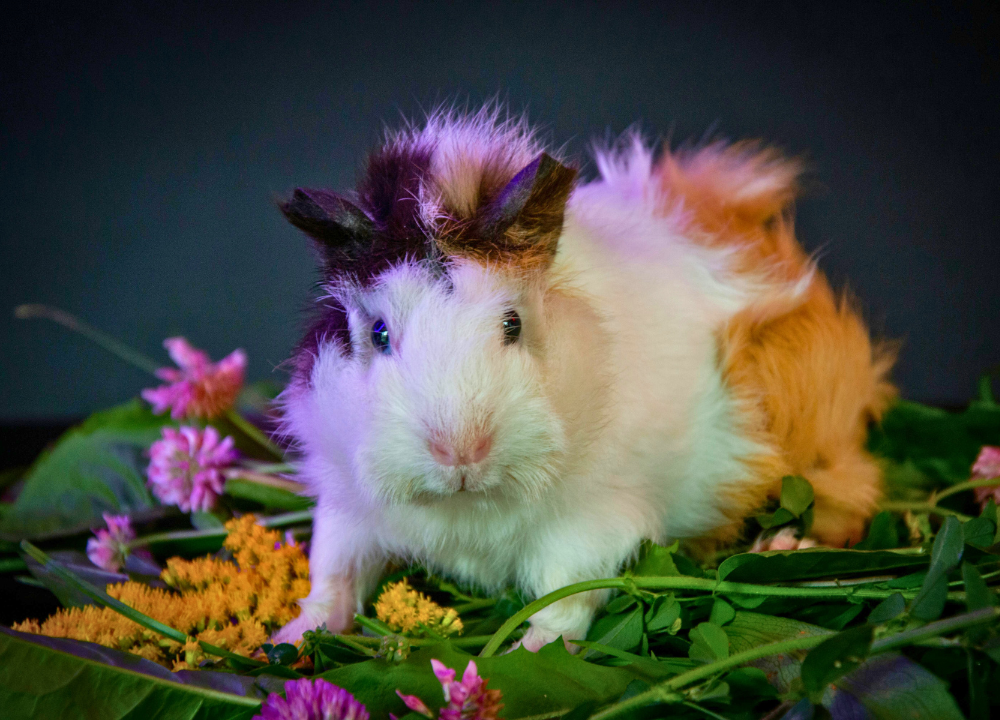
611, 420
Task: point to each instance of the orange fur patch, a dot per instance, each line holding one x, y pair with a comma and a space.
807, 378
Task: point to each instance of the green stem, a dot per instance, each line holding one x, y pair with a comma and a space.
680, 583
254, 433
968, 485
14, 564
938, 627
274, 521
668, 691
352, 643
374, 625
271, 468
706, 711
462, 642
474, 604
902, 506
112, 345
260, 478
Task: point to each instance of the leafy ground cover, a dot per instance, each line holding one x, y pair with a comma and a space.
905, 624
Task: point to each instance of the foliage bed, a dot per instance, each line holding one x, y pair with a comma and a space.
904, 625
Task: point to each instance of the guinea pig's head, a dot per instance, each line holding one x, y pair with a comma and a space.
424, 375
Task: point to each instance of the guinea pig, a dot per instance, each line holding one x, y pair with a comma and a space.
515, 377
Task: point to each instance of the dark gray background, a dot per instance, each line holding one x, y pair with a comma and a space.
142, 148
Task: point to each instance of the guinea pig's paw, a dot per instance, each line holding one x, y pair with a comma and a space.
784, 539
536, 638
336, 616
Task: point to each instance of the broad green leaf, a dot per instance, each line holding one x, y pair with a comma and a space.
623, 631
708, 643
748, 630
945, 556
96, 467
722, 612
893, 687
77, 563
620, 603
834, 658
532, 683
979, 532
796, 494
207, 520
785, 565
40, 678
270, 497
882, 533
888, 609
830, 615
644, 666
656, 561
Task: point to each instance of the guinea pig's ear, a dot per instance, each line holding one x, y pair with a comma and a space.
526, 217
341, 230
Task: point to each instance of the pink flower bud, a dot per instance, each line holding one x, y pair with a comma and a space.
186, 467
199, 388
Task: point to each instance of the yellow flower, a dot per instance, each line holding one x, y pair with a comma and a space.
405, 610
234, 605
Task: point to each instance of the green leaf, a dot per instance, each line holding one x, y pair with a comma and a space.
882, 533
77, 563
812, 563
207, 521
281, 654
796, 494
624, 632
893, 687
532, 683
890, 608
938, 445
979, 532
656, 561
749, 630
94, 468
722, 612
834, 658
40, 678
270, 497
945, 556
708, 643
665, 612
620, 603
646, 666
978, 594
778, 517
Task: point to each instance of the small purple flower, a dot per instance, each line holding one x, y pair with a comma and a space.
466, 700
109, 548
197, 387
987, 467
186, 466
308, 699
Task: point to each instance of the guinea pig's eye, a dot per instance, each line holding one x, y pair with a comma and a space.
380, 336
511, 327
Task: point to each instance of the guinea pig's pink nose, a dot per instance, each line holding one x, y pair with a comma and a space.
466, 454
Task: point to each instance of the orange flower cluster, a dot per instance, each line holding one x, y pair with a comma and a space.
234, 605
405, 610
